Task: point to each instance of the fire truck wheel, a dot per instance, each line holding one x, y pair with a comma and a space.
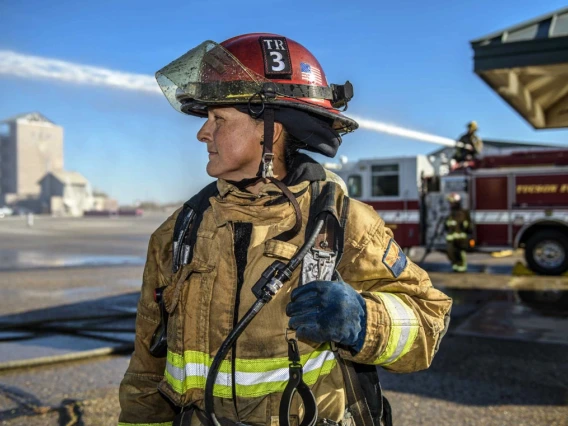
546, 252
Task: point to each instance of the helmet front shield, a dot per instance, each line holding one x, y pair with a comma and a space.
208, 74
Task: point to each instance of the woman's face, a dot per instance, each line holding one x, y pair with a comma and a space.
233, 143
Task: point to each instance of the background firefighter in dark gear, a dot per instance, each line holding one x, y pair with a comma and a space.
262, 97
458, 229
469, 145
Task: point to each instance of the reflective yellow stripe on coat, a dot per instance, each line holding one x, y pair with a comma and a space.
456, 236
404, 328
254, 377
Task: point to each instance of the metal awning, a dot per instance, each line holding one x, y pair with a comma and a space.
527, 65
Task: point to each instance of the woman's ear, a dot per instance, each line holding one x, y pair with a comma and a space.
278, 131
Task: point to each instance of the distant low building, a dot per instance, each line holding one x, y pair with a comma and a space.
102, 202
65, 193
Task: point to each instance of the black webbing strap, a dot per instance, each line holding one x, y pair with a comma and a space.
266, 164
387, 411
323, 201
283, 199
315, 189
186, 418
365, 399
341, 231
356, 401
368, 379
180, 230
187, 224
266, 171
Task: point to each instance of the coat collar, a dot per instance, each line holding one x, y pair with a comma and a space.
236, 205
267, 207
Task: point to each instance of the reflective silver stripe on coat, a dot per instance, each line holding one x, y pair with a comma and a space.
193, 369
404, 328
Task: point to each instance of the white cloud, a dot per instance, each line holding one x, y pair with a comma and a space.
34, 67
27, 66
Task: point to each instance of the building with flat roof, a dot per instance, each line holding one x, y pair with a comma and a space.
65, 193
30, 146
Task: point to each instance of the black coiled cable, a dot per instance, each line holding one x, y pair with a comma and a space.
282, 275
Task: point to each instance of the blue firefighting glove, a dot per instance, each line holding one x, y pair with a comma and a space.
328, 311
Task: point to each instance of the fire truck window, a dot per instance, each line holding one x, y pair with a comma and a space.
385, 180
354, 186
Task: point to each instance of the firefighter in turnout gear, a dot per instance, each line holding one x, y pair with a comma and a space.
458, 229
338, 295
469, 145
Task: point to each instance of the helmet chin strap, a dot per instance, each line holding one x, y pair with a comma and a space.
266, 167
266, 171
267, 163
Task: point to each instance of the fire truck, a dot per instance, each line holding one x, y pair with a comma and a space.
517, 199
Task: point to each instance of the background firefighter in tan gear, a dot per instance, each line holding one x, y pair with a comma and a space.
264, 97
458, 230
469, 145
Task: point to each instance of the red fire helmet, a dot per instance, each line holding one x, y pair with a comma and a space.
257, 70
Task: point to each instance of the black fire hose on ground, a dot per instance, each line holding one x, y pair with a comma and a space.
269, 284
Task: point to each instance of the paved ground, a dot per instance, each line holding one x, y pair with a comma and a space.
60, 261
55, 242
473, 381
476, 381
77, 393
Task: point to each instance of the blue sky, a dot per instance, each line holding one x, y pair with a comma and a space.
410, 63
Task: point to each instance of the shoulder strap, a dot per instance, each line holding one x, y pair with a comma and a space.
320, 262
187, 224
324, 205
342, 223
324, 201
365, 400
356, 395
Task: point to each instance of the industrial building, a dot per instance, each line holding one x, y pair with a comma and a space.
30, 146
32, 175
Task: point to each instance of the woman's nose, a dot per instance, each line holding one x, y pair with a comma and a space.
204, 134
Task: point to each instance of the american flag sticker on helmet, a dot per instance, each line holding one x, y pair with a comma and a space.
310, 73
394, 258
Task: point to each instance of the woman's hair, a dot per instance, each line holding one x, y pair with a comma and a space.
291, 147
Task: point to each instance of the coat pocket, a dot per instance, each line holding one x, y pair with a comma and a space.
184, 330
279, 249
185, 285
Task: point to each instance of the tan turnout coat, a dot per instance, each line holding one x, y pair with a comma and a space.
405, 314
